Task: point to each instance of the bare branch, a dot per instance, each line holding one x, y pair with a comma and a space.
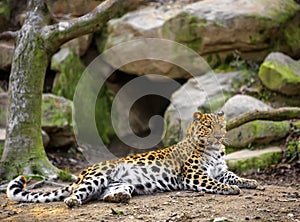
279, 114
8, 35
64, 31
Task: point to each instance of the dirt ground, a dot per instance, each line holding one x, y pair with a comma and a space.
276, 199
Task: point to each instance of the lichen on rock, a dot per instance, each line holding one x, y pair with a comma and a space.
280, 73
257, 132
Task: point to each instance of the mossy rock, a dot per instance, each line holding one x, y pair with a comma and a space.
56, 111
257, 132
214, 29
280, 73
247, 160
70, 69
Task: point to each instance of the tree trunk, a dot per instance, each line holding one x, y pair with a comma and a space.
24, 151
35, 43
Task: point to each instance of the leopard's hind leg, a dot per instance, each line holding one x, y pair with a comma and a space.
228, 177
87, 189
117, 192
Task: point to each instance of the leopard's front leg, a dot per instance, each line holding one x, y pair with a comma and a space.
86, 190
200, 181
231, 178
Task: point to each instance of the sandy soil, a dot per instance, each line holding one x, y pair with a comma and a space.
276, 199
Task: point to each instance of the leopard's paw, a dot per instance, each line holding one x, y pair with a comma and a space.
231, 190
72, 201
248, 183
251, 184
117, 197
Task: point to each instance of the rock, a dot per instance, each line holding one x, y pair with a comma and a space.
79, 45
240, 104
57, 120
214, 29
281, 74
63, 9
220, 219
46, 138
6, 54
257, 132
70, 69
206, 93
253, 160
67, 8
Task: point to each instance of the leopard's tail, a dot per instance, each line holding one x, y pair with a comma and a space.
16, 191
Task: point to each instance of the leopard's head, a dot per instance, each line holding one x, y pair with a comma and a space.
210, 127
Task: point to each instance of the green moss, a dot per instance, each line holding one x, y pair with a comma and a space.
56, 111
274, 75
172, 134
215, 103
277, 127
101, 38
103, 115
285, 12
65, 175
70, 70
292, 35
256, 163
5, 9
188, 30
1, 147
252, 39
296, 125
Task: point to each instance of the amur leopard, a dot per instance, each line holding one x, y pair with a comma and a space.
195, 163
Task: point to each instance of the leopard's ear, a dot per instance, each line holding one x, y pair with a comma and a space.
197, 116
220, 113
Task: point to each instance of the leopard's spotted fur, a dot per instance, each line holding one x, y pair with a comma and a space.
195, 163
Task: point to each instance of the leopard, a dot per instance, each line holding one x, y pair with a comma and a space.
195, 163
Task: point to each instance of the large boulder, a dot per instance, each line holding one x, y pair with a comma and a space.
68, 9
281, 74
214, 29
240, 104
257, 132
206, 93
79, 45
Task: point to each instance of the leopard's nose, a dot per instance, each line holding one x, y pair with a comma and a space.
218, 137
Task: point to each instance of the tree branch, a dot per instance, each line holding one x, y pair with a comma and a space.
64, 31
279, 114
